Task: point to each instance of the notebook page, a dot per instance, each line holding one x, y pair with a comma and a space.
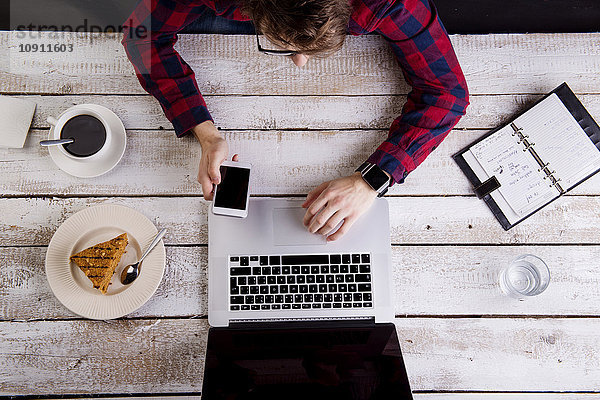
560, 141
522, 185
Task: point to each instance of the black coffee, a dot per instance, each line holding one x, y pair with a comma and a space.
87, 131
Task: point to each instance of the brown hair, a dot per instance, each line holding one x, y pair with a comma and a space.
307, 26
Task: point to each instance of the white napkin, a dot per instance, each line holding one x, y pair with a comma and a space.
15, 118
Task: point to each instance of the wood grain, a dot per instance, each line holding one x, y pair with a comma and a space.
493, 64
292, 112
285, 162
413, 220
463, 354
427, 280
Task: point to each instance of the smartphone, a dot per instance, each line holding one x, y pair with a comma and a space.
232, 194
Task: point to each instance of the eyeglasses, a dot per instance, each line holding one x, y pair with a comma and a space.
274, 52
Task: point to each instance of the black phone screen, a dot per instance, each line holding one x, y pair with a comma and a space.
232, 192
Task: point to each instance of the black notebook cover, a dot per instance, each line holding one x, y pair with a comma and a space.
582, 117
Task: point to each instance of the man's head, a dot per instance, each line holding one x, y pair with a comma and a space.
308, 27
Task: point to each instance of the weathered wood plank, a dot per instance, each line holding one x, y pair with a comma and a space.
292, 112
439, 280
437, 396
285, 162
493, 64
413, 220
158, 356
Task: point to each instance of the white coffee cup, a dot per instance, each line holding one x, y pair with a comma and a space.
82, 109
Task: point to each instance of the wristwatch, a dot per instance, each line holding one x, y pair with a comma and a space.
375, 177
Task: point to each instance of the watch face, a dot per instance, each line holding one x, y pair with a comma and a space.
376, 178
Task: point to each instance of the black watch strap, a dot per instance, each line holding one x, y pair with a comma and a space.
375, 177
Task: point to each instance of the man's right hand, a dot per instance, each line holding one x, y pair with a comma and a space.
214, 151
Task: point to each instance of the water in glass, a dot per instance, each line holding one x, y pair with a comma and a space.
527, 275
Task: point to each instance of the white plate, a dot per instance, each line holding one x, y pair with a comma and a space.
94, 166
94, 225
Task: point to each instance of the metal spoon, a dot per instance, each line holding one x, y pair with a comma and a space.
131, 272
56, 142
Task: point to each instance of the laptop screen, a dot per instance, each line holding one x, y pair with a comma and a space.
309, 363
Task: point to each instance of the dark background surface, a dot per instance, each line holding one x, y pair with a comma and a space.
459, 16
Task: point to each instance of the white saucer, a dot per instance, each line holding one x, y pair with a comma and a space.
94, 166
94, 225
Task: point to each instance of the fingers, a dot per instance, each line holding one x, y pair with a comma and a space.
314, 209
331, 224
348, 222
321, 218
207, 185
213, 169
313, 194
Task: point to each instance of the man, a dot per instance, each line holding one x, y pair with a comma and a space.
303, 28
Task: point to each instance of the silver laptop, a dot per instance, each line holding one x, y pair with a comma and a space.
268, 267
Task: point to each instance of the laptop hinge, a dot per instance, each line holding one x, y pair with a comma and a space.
295, 323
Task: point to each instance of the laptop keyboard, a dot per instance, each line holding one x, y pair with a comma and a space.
300, 282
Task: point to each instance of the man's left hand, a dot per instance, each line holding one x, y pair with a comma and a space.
343, 199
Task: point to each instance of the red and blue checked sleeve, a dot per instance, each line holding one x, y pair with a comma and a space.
149, 35
439, 95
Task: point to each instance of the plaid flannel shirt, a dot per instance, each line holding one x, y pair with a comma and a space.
439, 95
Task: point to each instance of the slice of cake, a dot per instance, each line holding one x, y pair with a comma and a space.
99, 261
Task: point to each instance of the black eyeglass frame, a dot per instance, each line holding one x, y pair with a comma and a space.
274, 52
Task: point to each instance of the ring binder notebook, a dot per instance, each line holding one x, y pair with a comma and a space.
521, 167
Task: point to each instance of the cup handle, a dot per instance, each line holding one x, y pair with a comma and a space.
51, 120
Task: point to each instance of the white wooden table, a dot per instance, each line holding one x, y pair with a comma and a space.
461, 338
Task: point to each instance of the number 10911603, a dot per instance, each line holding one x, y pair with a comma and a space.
45, 48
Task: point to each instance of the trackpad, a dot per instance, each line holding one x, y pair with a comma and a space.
288, 229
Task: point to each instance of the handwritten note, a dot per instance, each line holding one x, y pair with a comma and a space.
522, 185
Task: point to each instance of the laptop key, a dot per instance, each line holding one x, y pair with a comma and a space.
255, 307
314, 269
354, 269
291, 279
347, 297
349, 278
319, 298
244, 290
337, 305
305, 269
316, 305
265, 307
365, 258
357, 305
337, 297
295, 269
365, 268
245, 307
368, 304
324, 269
329, 279
335, 258
279, 298
264, 290
344, 269
253, 258
342, 287
364, 287
305, 305
326, 305
244, 261
313, 288
352, 287
303, 288
289, 298
357, 296
236, 299
256, 270
276, 270
234, 259
301, 279
273, 289
259, 299
320, 279
339, 278
240, 271
285, 270
251, 280
283, 289
262, 280
271, 280
362, 278
298, 298
356, 258
281, 280
347, 305
332, 288
249, 299
367, 297
322, 288
235, 290
254, 290
294, 288
264, 260
328, 297
346, 258
241, 280
266, 270
275, 260
276, 306
308, 298
286, 306
296, 306
269, 298
335, 269
310, 279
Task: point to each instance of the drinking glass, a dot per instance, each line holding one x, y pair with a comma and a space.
526, 276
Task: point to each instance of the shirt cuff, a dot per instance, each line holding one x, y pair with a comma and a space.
186, 113
392, 160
